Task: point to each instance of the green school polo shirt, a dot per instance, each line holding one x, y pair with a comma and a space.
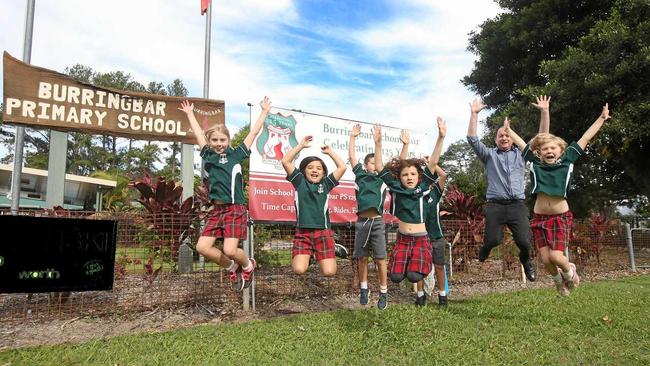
407, 204
224, 173
553, 179
370, 190
311, 200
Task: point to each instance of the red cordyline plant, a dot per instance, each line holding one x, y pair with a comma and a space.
588, 237
468, 211
171, 220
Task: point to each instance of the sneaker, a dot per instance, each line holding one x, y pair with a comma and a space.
529, 270
363, 296
236, 279
340, 251
561, 286
247, 276
383, 301
442, 302
421, 300
575, 281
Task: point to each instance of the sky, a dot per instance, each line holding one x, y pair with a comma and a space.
396, 62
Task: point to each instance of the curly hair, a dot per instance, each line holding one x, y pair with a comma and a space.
544, 138
396, 165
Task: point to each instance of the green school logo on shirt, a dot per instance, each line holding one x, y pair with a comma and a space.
278, 137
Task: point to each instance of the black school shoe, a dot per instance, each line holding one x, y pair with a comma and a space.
442, 302
382, 304
363, 296
483, 253
340, 251
529, 270
421, 300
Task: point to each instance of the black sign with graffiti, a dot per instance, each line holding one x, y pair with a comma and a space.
47, 254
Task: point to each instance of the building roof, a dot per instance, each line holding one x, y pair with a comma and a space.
33, 184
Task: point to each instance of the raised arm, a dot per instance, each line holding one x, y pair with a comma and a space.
475, 106
543, 103
340, 164
356, 130
434, 159
188, 108
406, 139
287, 160
593, 130
376, 135
442, 177
521, 144
255, 129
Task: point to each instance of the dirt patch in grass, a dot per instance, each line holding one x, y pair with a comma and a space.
82, 329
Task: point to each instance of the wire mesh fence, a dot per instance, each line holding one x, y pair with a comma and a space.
640, 240
146, 272
150, 250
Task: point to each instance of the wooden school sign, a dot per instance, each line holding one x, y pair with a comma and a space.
38, 97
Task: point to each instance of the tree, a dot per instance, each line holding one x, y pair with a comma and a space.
464, 169
171, 171
583, 54
610, 64
512, 45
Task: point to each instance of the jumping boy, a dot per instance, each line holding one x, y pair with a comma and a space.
369, 230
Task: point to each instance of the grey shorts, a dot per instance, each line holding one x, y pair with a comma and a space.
369, 235
439, 250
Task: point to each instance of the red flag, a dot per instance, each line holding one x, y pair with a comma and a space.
204, 6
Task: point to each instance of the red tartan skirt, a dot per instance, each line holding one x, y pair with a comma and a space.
316, 242
553, 231
411, 254
227, 221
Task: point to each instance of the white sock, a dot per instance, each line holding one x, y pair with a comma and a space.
249, 267
569, 274
383, 289
420, 293
442, 293
558, 277
233, 266
364, 285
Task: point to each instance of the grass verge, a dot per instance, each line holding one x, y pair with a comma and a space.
600, 323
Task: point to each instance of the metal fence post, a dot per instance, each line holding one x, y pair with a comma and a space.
451, 261
246, 297
630, 247
252, 249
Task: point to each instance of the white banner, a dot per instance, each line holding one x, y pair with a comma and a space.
271, 196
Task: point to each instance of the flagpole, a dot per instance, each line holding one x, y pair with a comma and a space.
20, 131
206, 62
187, 151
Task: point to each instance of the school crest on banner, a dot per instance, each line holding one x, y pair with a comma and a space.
277, 138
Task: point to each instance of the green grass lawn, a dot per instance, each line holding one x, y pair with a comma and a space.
600, 323
276, 258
